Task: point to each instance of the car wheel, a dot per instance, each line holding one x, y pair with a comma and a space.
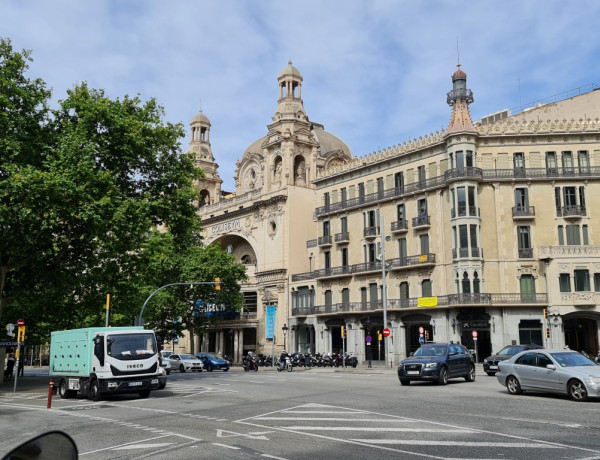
169, 371
144, 394
470, 377
182, 368
577, 391
513, 386
404, 382
225, 369
443, 377
94, 391
491, 374
209, 367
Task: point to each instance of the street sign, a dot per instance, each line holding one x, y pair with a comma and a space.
386, 332
10, 329
368, 339
421, 340
474, 333
421, 329
20, 322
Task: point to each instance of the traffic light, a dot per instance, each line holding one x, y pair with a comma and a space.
545, 313
21, 334
343, 331
217, 284
547, 332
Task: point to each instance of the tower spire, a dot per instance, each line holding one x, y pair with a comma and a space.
459, 99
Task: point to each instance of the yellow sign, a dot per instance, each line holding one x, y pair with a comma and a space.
423, 257
427, 302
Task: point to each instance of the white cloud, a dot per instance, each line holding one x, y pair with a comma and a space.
375, 73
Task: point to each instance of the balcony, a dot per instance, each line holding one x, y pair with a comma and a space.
333, 272
341, 238
421, 222
467, 253
411, 261
400, 226
469, 172
324, 241
444, 301
525, 253
367, 267
573, 212
311, 244
464, 211
523, 212
370, 232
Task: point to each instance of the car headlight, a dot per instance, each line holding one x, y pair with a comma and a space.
593, 380
485, 360
431, 365
400, 366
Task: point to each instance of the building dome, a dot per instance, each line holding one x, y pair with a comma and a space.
290, 70
200, 118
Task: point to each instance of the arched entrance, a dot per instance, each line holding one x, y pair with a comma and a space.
412, 323
581, 331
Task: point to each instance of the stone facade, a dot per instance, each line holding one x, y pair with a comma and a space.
485, 227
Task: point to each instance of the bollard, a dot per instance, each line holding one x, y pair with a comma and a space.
391, 363
50, 388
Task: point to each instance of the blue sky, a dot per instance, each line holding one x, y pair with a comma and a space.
376, 72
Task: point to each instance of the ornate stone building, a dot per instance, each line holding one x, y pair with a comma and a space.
486, 227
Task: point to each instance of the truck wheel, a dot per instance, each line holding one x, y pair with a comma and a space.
144, 394
63, 392
94, 391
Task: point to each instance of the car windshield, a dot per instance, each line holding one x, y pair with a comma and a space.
187, 357
131, 346
208, 356
566, 359
510, 350
431, 350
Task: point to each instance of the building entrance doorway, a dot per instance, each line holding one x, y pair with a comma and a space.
581, 334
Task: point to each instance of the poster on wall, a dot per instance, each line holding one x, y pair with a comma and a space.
270, 322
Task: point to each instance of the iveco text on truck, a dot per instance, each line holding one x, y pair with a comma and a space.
99, 361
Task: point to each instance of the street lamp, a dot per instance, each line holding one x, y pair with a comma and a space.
231, 332
284, 329
384, 288
368, 344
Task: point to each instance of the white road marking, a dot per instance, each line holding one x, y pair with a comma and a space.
331, 419
225, 445
377, 430
532, 445
144, 446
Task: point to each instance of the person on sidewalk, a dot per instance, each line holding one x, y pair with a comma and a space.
21, 369
10, 365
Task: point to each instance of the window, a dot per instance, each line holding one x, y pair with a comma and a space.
305, 297
399, 182
326, 227
530, 331
583, 161
521, 197
380, 188
326, 199
543, 360
424, 243
461, 201
565, 282
402, 251
346, 296
597, 282
327, 259
471, 204
567, 163
466, 284
426, 288
373, 295
519, 164
551, 168
469, 159
370, 252
400, 212
404, 290
328, 298
460, 159
363, 297
473, 235
527, 288
524, 241
573, 235
422, 207
344, 254
528, 359
361, 191
371, 219
476, 283
343, 194
561, 236
421, 173
344, 224
582, 280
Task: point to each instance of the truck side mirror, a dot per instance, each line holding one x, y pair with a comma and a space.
99, 349
159, 343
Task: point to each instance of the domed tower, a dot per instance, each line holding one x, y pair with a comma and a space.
210, 185
463, 177
294, 149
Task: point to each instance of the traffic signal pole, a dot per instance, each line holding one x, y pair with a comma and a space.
216, 283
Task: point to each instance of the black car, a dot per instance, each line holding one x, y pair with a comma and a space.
490, 364
437, 362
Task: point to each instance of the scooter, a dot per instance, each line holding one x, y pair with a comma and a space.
249, 363
285, 362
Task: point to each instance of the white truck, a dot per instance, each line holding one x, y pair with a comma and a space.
99, 361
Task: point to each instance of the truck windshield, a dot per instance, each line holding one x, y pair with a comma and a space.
131, 346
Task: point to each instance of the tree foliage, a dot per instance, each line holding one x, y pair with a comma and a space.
81, 188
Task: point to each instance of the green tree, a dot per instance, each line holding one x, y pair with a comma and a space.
80, 189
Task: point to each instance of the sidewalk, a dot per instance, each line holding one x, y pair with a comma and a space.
34, 380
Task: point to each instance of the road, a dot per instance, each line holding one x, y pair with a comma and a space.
312, 414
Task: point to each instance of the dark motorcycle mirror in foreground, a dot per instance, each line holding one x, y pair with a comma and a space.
48, 446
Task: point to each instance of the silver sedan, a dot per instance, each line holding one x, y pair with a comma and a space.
185, 362
552, 371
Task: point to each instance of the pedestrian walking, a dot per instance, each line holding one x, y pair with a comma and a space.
10, 365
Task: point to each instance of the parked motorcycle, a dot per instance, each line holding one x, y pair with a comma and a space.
285, 362
249, 362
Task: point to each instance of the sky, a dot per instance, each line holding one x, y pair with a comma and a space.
376, 72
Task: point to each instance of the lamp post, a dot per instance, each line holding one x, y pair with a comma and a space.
384, 290
284, 329
231, 332
368, 344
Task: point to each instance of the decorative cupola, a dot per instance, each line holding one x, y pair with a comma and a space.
289, 105
459, 99
210, 185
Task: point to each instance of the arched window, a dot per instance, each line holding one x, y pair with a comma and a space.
476, 283
466, 283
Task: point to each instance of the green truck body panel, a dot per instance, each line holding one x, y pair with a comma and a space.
71, 351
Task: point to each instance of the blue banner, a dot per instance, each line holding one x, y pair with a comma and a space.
270, 322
